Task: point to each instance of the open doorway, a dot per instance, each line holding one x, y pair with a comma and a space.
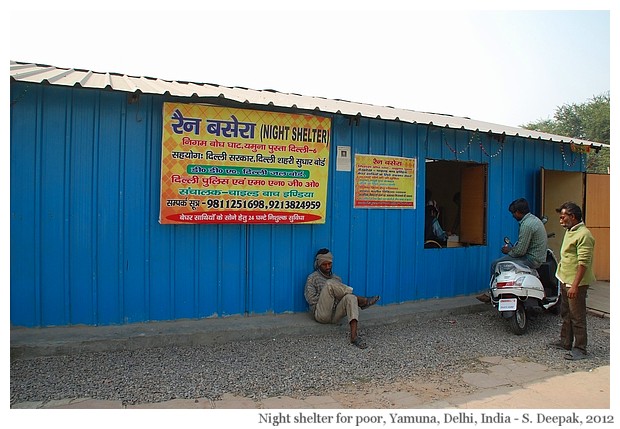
592, 193
459, 190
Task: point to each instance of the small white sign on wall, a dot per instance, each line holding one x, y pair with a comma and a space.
343, 159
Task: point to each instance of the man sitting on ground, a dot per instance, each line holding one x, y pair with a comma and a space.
330, 300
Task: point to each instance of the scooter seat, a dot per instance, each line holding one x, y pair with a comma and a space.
526, 269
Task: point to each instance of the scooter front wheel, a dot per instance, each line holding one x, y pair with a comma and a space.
518, 321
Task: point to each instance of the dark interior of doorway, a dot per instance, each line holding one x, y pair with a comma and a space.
459, 189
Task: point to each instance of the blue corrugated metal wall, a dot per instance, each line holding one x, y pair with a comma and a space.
87, 247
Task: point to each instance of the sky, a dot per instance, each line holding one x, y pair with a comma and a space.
509, 67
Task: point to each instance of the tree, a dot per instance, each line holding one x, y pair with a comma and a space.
586, 121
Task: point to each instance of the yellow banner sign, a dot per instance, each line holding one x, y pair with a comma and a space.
226, 165
384, 182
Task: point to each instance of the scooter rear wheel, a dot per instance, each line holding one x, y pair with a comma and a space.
518, 321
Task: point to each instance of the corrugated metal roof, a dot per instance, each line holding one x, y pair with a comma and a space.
39, 73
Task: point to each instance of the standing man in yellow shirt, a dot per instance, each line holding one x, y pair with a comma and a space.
575, 275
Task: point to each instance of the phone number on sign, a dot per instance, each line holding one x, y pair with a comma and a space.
261, 204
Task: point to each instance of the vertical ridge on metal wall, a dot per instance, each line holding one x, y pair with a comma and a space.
150, 136
123, 265
94, 316
67, 210
37, 185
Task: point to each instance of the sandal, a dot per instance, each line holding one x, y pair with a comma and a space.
575, 354
359, 343
372, 300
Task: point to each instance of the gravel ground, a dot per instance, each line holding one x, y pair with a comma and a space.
438, 349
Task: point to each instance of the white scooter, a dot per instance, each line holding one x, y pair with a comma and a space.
517, 289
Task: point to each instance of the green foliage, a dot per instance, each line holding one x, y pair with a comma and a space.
587, 121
